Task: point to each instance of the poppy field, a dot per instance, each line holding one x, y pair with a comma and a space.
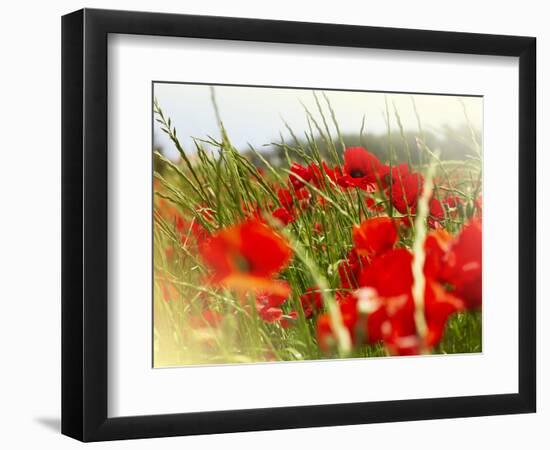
323, 246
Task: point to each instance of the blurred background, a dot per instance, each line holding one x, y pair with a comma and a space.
256, 116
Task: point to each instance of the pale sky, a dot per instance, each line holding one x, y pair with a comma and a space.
255, 115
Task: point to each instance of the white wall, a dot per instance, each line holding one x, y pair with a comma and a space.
30, 223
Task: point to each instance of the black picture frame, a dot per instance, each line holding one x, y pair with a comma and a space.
84, 224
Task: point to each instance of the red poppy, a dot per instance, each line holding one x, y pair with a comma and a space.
394, 322
453, 201
289, 320
391, 317
439, 305
369, 304
198, 231
350, 269
269, 309
384, 319
383, 308
391, 311
361, 168
435, 248
463, 264
395, 174
437, 213
284, 216
317, 176
395, 325
299, 174
180, 223
346, 182
406, 221
271, 314
342, 297
246, 256
334, 173
285, 198
374, 205
371, 318
325, 336
374, 236
268, 306
454, 204
268, 299
435, 217
288, 199
390, 273
405, 191
312, 301
457, 262
320, 173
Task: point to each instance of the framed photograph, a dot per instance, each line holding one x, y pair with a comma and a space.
273, 224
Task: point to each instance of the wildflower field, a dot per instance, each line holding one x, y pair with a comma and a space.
330, 250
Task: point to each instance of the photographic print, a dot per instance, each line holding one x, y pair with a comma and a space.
298, 224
